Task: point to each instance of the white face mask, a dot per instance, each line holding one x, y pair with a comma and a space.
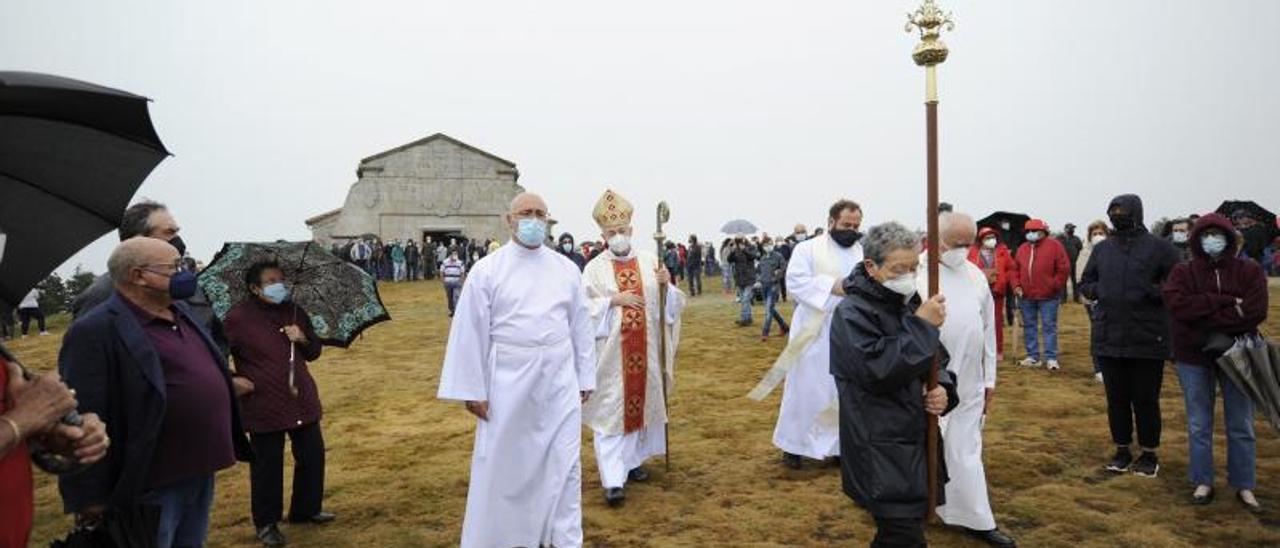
567, 247
955, 258
1097, 238
1033, 236
990, 243
800, 237
620, 244
904, 285
1180, 237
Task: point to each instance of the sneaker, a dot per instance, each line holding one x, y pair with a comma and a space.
1053, 365
1029, 362
1097, 377
1120, 462
270, 536
44, 333
1000, 357
1147, 465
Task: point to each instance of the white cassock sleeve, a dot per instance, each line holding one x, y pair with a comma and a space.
465, 375
583, 330
988, 334
806, 285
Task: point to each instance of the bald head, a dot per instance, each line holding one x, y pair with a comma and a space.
137, 254
528, 204
956, 229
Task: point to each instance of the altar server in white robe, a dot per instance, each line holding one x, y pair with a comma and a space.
969, 335
627, 413
521, 356
815, 280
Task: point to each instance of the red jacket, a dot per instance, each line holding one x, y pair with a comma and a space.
1003, 268
1041, 269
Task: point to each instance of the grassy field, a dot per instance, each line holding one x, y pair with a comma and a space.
398, 459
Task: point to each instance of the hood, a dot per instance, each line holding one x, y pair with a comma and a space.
565, 236
988, 231
1132, 203
1212, 220
1035, 224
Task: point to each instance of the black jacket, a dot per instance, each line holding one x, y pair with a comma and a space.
881, 353
743, 259
1124, 275
109, 361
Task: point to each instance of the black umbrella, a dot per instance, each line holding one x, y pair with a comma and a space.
341, 299
1008, 224
1254, 210
72, 154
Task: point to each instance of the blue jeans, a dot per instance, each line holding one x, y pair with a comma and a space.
745, 296
771, 311
184, 511
1198, 384
1047, 314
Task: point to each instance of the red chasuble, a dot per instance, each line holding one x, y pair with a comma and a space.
635, 346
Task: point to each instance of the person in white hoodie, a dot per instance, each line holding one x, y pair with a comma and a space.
29, 309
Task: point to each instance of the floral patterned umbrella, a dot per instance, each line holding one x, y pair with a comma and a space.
341, 299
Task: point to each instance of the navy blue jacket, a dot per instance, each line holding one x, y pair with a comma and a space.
110, 362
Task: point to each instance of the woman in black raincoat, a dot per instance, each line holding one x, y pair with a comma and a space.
883, 340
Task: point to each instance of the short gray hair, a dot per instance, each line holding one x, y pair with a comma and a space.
124, 259
886, 238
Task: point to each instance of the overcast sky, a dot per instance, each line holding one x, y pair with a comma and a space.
767, 111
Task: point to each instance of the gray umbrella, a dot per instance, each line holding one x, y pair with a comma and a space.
739, 226
1253, 364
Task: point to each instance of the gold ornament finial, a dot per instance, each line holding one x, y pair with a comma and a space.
930, 20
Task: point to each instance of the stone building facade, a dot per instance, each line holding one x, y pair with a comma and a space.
437, 186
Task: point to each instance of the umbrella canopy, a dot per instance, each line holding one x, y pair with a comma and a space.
739, 226
341, 299
1253, 364
72, 154
1254, 210
1008, 224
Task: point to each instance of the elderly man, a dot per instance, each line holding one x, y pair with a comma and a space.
883, 342
521, 356
969, 335
142, 363
815, 277
627, 414
1040, 275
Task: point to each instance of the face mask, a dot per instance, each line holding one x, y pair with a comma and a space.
904, 285
800, 237
567, 247
179, 245
276, 292
989, 243
1122, 221
768, 248
1214, 244
531, 232
1033, 236
845, 237
955, 258
1098, 238
1180, 237
182, 286
620, 244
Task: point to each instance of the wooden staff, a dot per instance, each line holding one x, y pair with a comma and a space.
664, 215
929, 20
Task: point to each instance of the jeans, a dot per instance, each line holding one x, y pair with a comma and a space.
1198, 384
1090, 309
397, 271
745, 296
695, 280
266, 474
451, 291
1047, 313
770, 310
184, 511
899, 533
1133, 394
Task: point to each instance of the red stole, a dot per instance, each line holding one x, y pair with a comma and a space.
635, 346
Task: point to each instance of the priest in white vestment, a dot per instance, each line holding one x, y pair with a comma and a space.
815, 280
969, 335
521, 355
627, 413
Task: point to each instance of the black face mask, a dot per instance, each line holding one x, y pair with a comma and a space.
180, 245
1122, 221
845, 237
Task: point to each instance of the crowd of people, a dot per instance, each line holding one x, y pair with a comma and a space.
549, 334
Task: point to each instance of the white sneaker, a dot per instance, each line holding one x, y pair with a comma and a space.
1029, 362
1053, 365
1097, 377
44, 333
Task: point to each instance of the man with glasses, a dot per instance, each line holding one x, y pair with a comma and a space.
142, 363
969, 335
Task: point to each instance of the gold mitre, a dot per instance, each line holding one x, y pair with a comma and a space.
612, 211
